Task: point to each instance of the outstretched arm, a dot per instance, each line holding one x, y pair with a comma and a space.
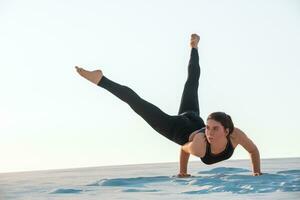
248, 144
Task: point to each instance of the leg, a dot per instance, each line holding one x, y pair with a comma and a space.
189, 99
175, 128
157, 119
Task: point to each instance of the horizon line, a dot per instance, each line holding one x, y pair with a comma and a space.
57, 169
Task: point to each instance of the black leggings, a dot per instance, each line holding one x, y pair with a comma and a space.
177, 128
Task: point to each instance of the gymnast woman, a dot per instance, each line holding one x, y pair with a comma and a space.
212, 142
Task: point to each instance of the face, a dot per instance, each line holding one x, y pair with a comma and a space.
215, 131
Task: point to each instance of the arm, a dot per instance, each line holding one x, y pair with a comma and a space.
251, 148
195, 147
184, 159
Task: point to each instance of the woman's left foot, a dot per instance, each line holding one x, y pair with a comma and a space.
93, 76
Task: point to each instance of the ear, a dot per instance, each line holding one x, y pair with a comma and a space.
227, 131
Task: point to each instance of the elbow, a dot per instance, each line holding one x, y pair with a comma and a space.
254, 150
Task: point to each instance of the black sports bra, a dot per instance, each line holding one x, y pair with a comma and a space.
210, 158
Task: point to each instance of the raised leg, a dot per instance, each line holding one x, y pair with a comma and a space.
189, 99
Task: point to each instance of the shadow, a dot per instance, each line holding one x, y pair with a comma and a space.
138, 190
221, 179
66, 191
131, 182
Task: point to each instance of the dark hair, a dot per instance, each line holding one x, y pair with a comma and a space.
224, 119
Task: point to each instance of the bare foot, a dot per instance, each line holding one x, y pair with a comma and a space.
195, 40
93, 76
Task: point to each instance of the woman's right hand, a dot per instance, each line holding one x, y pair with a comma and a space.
183, 175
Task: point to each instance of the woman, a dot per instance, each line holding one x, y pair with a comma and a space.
212, 142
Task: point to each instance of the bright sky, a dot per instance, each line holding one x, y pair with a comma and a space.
52, 118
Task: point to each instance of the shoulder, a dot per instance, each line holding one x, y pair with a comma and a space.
198, 145
201, 136
239, 137
236, 136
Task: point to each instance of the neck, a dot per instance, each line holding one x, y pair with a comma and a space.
216, 148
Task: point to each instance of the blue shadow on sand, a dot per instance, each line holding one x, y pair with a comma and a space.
66, 191
221, 179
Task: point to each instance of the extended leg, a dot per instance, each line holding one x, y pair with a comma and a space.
157, 119
189, 99
172, 127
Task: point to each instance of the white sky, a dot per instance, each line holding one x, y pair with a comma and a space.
52, 118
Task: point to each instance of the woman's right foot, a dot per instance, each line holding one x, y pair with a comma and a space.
93, 76
195, 40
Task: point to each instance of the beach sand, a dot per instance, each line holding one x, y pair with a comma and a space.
226, 180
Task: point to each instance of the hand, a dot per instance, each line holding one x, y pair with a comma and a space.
257, 174
183, 175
